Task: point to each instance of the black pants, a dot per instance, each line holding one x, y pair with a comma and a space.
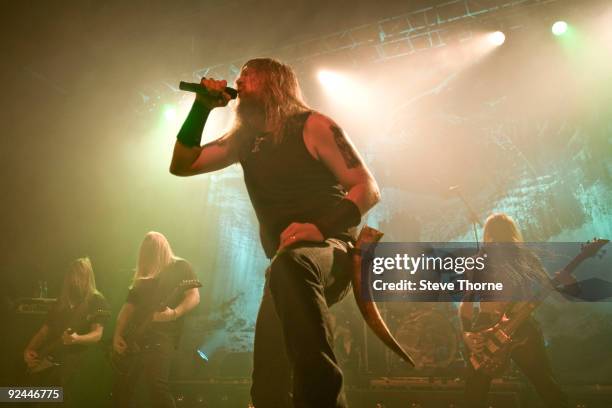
153, 363
532, 361
293, 357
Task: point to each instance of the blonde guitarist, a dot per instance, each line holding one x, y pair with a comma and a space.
55, 353
530, 355
151, 321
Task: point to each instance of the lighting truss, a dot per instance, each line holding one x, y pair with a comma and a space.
427, 28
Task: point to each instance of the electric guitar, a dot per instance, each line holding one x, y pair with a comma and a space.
48, 354
498, 341
135, 333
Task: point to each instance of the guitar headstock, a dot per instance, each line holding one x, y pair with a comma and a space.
182, 287
592, 247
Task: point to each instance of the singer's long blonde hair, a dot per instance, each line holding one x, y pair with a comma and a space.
154, 255
280, 98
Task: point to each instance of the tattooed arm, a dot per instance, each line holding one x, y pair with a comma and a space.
328, 143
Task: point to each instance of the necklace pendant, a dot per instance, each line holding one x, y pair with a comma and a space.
256, 144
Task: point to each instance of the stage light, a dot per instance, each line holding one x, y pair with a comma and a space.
331, 80
345, 89
202, 355
169, 112
497, 38
559, 28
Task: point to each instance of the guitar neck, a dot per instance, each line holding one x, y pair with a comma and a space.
59, 341
524, 311
140, 328
572, 265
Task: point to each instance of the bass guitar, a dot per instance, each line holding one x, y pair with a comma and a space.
135, 333
495, 344
49, 355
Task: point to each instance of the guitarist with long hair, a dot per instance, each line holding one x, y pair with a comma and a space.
521, 269
150, 323
55, 352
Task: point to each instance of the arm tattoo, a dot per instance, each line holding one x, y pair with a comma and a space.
348, 153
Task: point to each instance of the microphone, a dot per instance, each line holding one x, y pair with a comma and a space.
199, 89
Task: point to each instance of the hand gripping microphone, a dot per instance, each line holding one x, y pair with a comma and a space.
199, 89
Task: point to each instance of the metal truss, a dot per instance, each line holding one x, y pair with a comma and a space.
399, 36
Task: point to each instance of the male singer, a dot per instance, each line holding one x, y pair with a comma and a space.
309, 188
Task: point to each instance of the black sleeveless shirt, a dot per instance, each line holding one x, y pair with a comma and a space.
286, 184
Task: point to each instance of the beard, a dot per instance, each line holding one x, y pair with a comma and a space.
251, 112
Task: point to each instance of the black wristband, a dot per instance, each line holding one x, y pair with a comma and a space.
190, 134
342, 217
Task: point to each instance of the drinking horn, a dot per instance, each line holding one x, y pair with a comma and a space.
370, 236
